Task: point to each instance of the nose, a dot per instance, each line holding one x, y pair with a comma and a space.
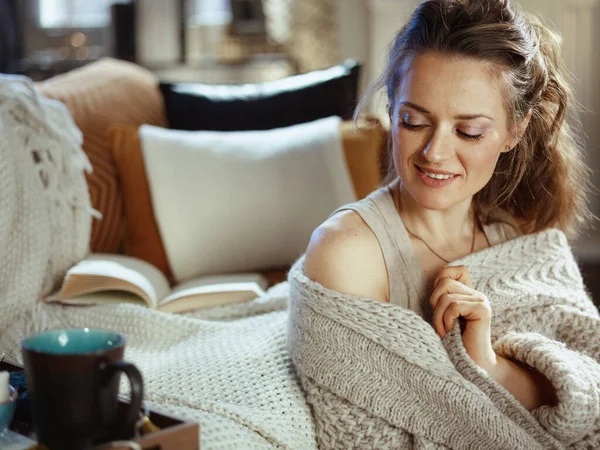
438, 148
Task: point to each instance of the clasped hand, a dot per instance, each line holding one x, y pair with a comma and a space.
453, 297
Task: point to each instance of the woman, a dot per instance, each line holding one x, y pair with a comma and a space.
481, 153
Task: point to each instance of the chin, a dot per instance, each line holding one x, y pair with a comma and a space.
434, 199
435, 203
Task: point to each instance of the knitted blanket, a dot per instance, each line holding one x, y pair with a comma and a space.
233, 375
46, 216
378, 376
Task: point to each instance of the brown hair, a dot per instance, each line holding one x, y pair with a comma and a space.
544, 181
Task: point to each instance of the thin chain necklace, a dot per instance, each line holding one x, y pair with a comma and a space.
432, 250
436, 253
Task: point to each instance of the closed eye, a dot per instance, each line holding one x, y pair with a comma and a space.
462, 135
409, 126
469, 137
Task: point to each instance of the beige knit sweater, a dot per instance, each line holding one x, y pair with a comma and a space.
378, 376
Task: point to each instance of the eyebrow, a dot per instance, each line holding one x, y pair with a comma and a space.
460, 117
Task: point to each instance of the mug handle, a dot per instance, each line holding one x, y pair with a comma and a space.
137, 394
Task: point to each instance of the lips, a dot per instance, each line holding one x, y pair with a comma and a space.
437, 174
436, 178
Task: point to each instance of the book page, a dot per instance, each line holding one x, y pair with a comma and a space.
100, 272
104, 298
216, 290
208, 299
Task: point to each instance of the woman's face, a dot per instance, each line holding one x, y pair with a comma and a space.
449, 127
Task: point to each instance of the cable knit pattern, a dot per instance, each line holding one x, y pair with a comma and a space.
377, 375
46, 214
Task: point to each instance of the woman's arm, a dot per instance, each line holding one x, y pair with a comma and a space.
527, 385
562, 388
573, 372
454, 297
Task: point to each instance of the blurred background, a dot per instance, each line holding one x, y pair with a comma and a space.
249, 41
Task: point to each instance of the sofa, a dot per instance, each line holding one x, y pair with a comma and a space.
110, 99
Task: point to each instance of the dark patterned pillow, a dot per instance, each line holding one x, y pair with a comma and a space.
274, 104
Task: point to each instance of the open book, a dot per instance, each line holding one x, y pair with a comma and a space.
103, 278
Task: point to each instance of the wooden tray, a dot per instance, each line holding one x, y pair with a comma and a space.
174, 433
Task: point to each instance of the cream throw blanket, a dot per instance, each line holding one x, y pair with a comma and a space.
45, 212
378, 376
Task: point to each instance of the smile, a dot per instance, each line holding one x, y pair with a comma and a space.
437, 176
437, 179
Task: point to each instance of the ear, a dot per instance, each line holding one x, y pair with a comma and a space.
519, 131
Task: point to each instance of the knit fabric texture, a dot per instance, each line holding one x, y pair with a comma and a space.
234, 377
378, 376
46, 213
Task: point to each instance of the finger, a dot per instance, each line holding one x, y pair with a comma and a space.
457, 304
448, 286
458, 273
446, 301
438, 314
452, 313
471, 311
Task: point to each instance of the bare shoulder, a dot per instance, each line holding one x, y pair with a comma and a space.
344, 255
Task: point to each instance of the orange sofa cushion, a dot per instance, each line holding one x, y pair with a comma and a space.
362, 147
142, 236
98, 95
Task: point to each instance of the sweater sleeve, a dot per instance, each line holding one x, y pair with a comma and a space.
574, 375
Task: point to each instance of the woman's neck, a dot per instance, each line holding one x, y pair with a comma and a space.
450, 228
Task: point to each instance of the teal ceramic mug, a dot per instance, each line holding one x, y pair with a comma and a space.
73, 379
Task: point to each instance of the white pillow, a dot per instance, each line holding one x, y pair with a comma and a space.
243, 201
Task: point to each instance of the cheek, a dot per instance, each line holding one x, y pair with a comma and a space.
401, 154
405, 144
481, 162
